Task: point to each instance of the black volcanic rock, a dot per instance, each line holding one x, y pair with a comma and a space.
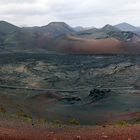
71, 99
97, 94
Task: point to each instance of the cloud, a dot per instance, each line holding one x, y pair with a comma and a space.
16, 1
74, 12
23, 9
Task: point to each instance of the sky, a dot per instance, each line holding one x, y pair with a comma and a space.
85, 13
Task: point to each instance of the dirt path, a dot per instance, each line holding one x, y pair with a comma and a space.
72, 133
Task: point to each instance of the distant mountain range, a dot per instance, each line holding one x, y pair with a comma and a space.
60, 37
127, 27
52, 29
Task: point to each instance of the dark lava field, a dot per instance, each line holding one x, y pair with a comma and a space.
67, 89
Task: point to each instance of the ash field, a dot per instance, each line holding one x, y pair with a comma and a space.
66, 88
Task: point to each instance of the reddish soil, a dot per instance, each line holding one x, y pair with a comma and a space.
132, 114
131, 132
95, 46
91, 46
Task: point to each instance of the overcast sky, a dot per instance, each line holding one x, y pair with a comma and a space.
74, 12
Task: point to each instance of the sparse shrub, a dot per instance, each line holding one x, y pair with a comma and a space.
134, 120
73, 121
57, 122
122, 123
20, 113
137, 120
42, 120
2, 109
18, 105
26, 117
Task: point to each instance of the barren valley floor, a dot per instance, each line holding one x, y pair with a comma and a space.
70, 89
